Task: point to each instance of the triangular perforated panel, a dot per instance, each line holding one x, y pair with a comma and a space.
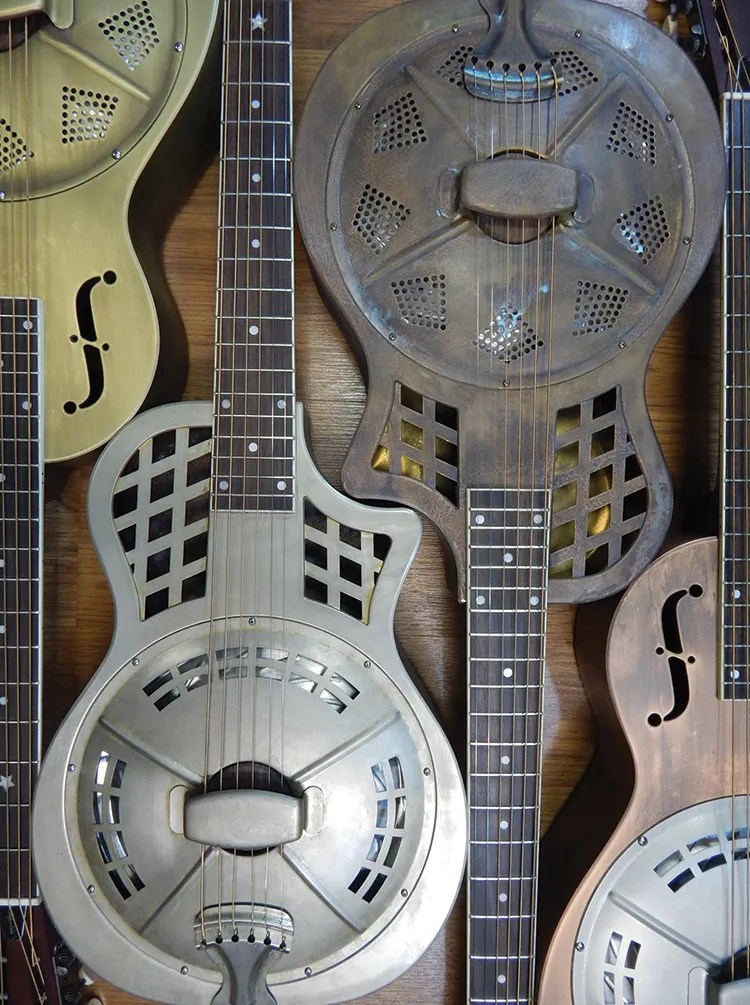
378, 217
633, 135
132, 32
398, 125
13, 150
86, 115
452, 69
508, 337
574, 72
598, 307
644, 228
421, 301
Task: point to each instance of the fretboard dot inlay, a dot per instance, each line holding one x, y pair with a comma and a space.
281, 404
534, 601
3, 700
503, 825
506, 761
223, 486
28, 325
507, 557
256, 244
253, 447
256, 177
25, 405
255, 103
737, 594
281, 486
226, 403
507, 672
479, 519
501, 979
538, 518
503, 898
481, 601
735, 674
253, 329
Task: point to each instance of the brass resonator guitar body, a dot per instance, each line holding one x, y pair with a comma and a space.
103, 114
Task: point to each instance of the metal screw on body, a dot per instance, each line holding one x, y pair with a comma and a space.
643, 840
71, 767
580, 947
308, 971
184, 971
116, 154
136, 661
178, 47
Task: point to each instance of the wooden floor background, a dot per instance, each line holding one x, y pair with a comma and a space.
429, 621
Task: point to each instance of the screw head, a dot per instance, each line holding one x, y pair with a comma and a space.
578, 33
358, 105
184, 971
687, 240
71, 767
91, 888
251, 621
643, 840
367, 664
454, 28
116, 154
622, 345
506, 382
392, 336
136, 661
308, 971
178, 47
334, 226
670, 117
404, 893
580, 947
427, 772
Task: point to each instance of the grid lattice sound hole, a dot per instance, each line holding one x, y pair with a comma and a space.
390, 820
378, 217
621, 960
160, 509
633, 135
600, 496
106, 815
644, 228
398, 125
420, 441
86, 115
421, 301
13, 150
132, 33
342, 564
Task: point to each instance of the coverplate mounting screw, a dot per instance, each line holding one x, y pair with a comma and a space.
670, 117
506, 383
392, 336
71, 767
686, 240
578, 33
358, 105
427, 772
622, 345
184, 971
91, 889
454, 28
308, 971
136, 662
251, 621
178, 47
334, 226
404, 893
643, 840
580, 947
116, 154
368, 664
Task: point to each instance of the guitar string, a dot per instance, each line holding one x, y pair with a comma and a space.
736, 863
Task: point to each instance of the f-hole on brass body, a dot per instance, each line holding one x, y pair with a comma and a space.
104, 126
482, 230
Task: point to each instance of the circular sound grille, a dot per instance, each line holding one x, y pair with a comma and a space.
665, 916
287, 702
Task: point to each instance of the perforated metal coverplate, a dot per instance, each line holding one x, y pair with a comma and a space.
671, 913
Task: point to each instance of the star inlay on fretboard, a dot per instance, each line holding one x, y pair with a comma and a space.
259, 22
6, 782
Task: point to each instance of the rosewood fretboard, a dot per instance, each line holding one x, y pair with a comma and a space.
736, 434
20, 582
254, 388
507, 613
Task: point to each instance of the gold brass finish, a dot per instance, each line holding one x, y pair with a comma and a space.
100, 126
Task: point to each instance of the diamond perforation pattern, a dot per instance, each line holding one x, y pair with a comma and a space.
420, 441
421, 301
86, 115
600, 496
132, 33
633, 135
160, 509
452, 69
342, 564
13, 150
398, 125
598, 307
574, 72
645, 228
378, 217
508, 337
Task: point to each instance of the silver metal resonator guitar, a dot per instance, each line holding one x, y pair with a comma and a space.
250, 802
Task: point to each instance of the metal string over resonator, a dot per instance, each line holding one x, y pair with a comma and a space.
510, 66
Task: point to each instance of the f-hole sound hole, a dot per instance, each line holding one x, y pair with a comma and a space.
92, 349
677, 662
254, 775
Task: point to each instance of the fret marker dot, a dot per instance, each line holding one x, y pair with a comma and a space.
253, 329
28, 325
255, 242
501, 979
281, 403
537, 518
25, 405
2, 563
507, 557
735, 674
534, 601
507, 672
481, 601
505, 759
737, 594
2, 479
223, 486
2, 629
253, 448
3, 700
503, 898
479, 519
503, 825
281, 486
255, 103
225, 403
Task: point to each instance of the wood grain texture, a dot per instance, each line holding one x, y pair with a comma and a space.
430, 624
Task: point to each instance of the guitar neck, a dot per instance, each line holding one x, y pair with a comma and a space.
21, 456
508, 544
254, 448
736, 440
